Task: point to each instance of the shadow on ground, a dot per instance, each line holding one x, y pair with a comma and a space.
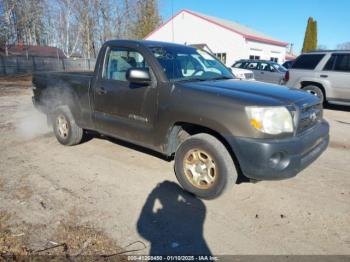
337, 107
172, 221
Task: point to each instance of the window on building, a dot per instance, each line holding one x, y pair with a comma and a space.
307, 61
254, 57
221, 57
342, 63
274, 59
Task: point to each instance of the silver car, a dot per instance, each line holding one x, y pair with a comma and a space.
325, 74
264, 71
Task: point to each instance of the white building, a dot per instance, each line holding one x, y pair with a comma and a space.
228, 40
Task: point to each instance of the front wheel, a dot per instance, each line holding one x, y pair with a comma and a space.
204, 167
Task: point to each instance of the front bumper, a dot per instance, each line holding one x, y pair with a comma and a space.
275, 159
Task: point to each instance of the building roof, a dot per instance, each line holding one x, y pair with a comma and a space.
44, 51
246, 32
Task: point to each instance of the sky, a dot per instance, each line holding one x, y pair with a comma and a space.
284, 20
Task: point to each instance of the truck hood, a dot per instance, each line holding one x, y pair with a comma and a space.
256, 92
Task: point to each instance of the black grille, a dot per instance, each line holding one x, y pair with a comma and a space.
249, 75
310, 115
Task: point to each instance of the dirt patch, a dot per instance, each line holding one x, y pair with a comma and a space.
9, 243
18, 78
23, 193
2, 184
7, 126
82, 242
14, 85
339, 145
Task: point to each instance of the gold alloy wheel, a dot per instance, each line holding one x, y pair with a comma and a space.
62, 126
199, 168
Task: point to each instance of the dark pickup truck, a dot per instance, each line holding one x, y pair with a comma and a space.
183, 102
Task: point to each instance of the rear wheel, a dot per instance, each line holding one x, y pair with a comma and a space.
204, 167
66, 130
316, 91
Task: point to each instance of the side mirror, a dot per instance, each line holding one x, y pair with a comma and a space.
138, 75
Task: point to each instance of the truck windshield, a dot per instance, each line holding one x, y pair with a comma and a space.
190, 64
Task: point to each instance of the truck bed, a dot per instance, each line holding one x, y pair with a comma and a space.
72, 86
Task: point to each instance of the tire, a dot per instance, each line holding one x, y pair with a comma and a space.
67, 132
204, 167
316, 91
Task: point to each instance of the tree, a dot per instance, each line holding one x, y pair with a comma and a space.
147, 18
310, 39
344, 46
314, 35
75, 26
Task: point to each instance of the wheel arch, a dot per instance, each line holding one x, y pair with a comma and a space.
61, 94
189, 129
309, 83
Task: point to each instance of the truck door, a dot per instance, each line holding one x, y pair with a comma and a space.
123, 109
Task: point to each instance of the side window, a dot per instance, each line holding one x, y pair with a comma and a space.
330, 63
342, 63
252, 65
238, 65
307, 61
119, 60
188, 65
264, 67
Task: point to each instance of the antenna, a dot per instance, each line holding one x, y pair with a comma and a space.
172, 20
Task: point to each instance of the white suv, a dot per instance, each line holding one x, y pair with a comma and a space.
325, 74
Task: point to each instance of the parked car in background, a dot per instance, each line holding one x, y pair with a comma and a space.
264, 71
325, 74
288, 64
242, 74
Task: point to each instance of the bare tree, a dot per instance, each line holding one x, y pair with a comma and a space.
344, 46
75, 26
67, 29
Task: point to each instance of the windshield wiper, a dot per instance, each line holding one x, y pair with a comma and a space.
191, 80
221, 78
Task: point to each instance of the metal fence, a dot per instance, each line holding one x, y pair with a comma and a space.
15, 65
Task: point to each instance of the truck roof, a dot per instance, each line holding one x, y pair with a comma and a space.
327, 51
146, 43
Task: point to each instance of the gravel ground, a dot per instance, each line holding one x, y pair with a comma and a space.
104, 195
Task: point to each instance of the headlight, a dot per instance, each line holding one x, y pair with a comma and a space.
240, 76
270, 120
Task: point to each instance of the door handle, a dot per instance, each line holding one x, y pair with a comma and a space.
101, 91
324, 76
